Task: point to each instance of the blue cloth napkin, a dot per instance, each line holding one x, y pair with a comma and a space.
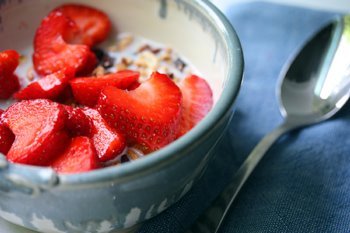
303, 183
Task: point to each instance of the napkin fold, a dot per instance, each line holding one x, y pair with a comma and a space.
303, 182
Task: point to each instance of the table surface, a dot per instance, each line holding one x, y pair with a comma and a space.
335, 5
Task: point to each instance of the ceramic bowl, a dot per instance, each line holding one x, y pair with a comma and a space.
121, 198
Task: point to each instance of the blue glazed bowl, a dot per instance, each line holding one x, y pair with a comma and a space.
121, 198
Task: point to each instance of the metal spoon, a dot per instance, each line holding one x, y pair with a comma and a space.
311, 89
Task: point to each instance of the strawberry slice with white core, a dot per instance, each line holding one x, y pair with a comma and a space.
94, 25
53, 53
197, 102
38, 129
148, 115
6, 137
48, 87
77, 122
9, 60
109, 143
86, 90
80, 156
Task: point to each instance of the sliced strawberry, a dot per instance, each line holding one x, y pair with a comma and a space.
66, 96
80, 156
48, 87
197, 102
94, 25
51, 51
8, 86
148, 115
9, 83
87, 90
90, 65
6, 137
38, 126
133, 86
108, 142
9, 60
78, 124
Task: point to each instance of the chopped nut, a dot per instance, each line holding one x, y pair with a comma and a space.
156, 51
149, 48
147, 60
133, 153
144, 74
121, 66
124, 42
112, 48
140, 63
30, 74
168, 50
22, 59
176, 80
99, 71
163, 69
127, 61
166, 57
144, 48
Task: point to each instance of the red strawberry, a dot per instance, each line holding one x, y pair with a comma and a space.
108, 142
48, 87
9, 60
66, 96
78, 124
197, 102
9, 83
6, 137
90, 65
93, 24
38, 126
80, 156
148, 115
87, 90
51, 51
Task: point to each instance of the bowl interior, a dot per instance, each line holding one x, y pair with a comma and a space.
172, 23
193, 28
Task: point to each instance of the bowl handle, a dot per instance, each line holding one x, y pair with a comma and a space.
29, 180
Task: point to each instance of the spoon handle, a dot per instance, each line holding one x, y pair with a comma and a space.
211, 220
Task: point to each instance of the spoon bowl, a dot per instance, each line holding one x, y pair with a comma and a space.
313, 86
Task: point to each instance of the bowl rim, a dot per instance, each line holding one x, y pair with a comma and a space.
206, 127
